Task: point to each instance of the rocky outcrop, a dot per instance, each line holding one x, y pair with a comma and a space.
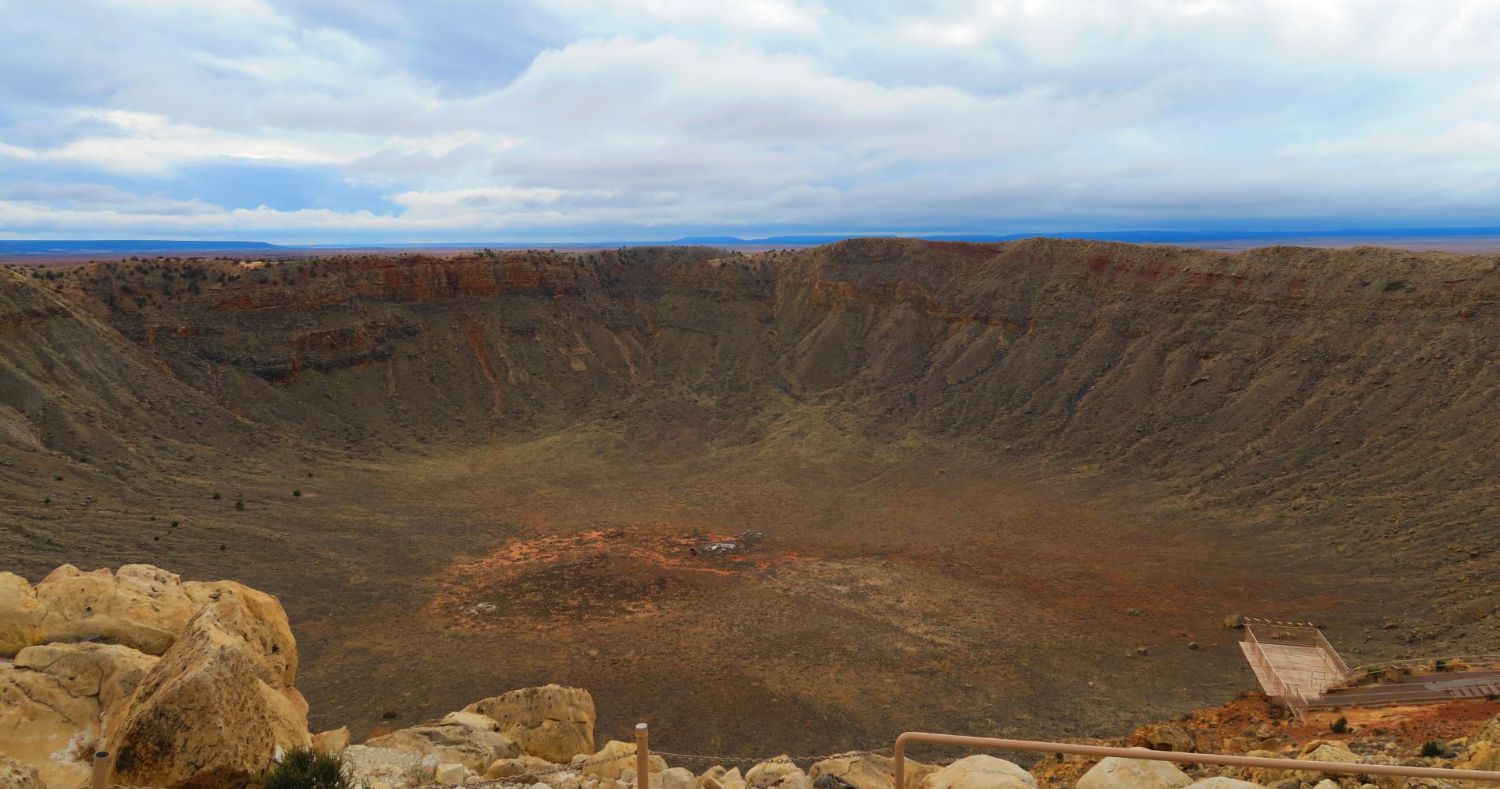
678, 778
476, 747
209, 711
871, 771
105, 673
15, 774
718, 777
778, 772
1483, 749
980, 772
383, 768
138, 606
1117, 773
519, 765
19, 613
331, 741
611, 761
551, 722
1169, 736
220, 702
57, 700
1324, 751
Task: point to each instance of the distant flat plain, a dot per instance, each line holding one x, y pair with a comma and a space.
1456, 244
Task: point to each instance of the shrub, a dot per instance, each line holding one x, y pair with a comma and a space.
1339, 726
239, 502
305, 768
1432, 748
297, 492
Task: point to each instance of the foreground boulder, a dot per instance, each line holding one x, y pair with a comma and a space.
16, 775
519, 765
473, 743
613, 760
777, 772
62, 697
1116, 773
1483, 749
333, 741
980, 771
1165, 737
718, 777
19, 614
218, 704
551, 722
869, 772
106, 673
138, 606
1324, 751
383, 768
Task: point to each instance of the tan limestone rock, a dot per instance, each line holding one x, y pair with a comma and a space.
611, 761
980, 771
214, 709
475, 748
553, 722
333, 741
524, 764
1119, 773
870, 771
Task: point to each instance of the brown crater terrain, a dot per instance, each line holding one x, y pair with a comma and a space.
555, 582
784, 501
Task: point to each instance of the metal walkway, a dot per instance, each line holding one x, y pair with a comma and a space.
1293, 662
1296, 666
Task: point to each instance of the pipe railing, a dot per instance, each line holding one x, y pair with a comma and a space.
1333, 653
1491, 661
898, 764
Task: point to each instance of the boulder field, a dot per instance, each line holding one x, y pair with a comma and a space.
192, 685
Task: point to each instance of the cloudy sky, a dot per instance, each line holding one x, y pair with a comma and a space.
468, 120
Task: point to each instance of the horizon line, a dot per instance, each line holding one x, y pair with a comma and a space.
128, 244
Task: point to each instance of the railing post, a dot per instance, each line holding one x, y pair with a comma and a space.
898, 761
101, 770
642, 757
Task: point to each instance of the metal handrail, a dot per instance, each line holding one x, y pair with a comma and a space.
1223, 760
1333, 652
1290, 695
1492, 658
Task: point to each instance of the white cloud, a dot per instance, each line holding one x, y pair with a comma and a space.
144, 143
657, 116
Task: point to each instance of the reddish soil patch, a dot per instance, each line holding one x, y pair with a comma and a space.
614, 574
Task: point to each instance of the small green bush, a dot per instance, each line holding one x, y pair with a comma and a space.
297, 493
1432, 748
305, 768
239, 502
1339, 726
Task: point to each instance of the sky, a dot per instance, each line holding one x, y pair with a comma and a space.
346, 121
